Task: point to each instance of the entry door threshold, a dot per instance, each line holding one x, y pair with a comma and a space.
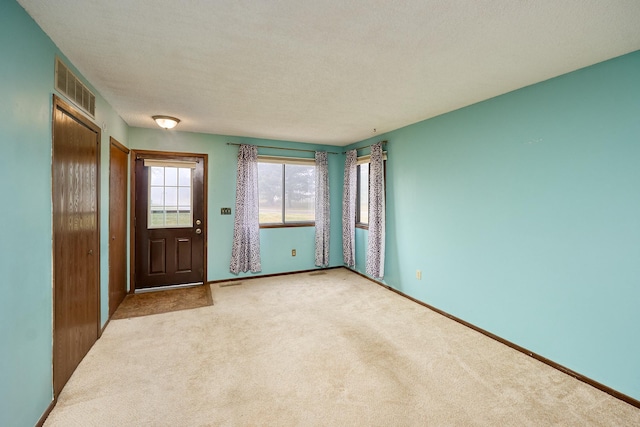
166, 288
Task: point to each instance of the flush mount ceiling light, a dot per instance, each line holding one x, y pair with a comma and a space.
166, 122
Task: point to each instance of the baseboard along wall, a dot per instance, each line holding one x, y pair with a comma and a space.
625, 398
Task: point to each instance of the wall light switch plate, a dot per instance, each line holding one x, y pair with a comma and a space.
225, 211
293, 252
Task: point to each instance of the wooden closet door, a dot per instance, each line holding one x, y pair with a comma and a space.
118, 166
76, 243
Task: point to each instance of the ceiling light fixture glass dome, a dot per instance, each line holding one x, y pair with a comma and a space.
166, 122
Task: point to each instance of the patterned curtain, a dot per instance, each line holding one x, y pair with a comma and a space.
245, 254
349, 209
322, 209
375, 249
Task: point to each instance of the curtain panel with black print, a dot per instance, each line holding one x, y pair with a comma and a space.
375, 248
245, 254
349, 209
322, 209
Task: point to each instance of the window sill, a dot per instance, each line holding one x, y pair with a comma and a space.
291, 225
362, 226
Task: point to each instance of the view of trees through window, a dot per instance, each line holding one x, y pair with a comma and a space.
287, 193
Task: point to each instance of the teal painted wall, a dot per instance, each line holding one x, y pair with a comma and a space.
27, 76
275, 243
523, 213
25, 245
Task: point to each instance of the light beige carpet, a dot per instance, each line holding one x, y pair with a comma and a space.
325, 350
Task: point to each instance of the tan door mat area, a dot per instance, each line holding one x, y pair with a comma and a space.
144, 304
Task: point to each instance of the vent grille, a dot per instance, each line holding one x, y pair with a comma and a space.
224, 285
69, 85
318, 273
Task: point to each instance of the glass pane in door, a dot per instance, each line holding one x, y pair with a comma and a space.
170, 197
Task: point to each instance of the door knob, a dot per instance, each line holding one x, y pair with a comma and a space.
198, 231
90, 252
198, 222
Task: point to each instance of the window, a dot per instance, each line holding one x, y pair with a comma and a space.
286, 188
362, 190
170, 197
362, 194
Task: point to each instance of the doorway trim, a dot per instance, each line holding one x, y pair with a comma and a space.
139, 154
115, 144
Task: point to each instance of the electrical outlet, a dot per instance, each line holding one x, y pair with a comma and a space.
418, 274
293, 252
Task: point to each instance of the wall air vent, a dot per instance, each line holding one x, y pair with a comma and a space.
70, 86
224, 285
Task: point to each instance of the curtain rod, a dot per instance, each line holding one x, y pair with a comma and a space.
365, 146
282, 148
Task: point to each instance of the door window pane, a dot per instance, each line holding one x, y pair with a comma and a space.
156, 218
170, 201
184, 179
157, 196
157, 175
170, 176
184, 197
171, 196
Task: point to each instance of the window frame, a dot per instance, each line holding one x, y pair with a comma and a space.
283, 161
177, 165
361, 161
359, 223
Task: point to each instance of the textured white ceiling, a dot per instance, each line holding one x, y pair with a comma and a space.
325, 71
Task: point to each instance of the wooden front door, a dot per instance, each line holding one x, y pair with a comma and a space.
170, 215
76, 241
118, 161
